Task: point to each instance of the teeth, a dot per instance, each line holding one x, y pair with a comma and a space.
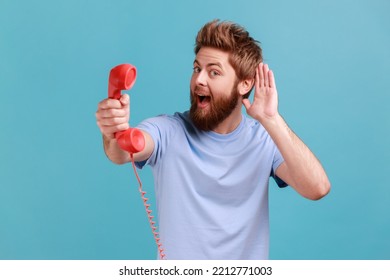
201, 93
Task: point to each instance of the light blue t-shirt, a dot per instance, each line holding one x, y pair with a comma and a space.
211, 189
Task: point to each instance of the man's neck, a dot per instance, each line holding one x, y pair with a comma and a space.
231, 122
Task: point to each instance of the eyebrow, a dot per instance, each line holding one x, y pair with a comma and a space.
210, 64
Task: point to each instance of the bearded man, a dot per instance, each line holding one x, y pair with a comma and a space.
212, 164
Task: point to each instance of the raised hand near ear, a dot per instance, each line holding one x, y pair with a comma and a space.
265, 101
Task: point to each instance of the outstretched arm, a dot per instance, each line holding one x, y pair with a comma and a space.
113, 116
300, 169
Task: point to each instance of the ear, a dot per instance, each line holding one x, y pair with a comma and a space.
245, 86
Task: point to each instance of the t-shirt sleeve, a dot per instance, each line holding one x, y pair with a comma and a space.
278, 160
160, 128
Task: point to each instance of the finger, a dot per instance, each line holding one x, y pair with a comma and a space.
246, 103
261, 75
257, 78
112, 121
266, 70
113, 128
111, 113
110, 103
125, 99
271, 78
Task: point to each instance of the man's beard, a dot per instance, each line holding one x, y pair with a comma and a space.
218, 110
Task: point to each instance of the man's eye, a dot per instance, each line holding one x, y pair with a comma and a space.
214, 73
196, 69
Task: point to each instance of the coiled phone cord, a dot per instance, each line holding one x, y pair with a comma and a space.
148, 211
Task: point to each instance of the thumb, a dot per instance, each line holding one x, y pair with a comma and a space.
246, 103
125, 99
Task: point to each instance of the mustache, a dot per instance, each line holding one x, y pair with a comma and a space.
201, 91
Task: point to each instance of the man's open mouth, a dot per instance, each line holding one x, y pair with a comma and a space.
203, 100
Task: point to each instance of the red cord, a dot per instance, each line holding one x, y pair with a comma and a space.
148, 212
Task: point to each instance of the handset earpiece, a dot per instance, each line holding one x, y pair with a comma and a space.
122, 77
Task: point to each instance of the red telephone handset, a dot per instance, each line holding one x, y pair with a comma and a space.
122, 77
131, 140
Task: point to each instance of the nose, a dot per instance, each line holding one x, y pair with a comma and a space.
201, 78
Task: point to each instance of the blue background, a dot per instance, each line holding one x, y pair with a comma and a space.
61, 198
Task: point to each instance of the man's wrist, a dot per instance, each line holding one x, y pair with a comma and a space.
276, 127
271, 122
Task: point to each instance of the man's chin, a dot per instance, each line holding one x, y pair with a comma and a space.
200, 117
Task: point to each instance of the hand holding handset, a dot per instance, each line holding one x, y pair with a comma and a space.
122, 77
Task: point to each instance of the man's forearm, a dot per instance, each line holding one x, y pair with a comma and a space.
302, 168
114, 152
